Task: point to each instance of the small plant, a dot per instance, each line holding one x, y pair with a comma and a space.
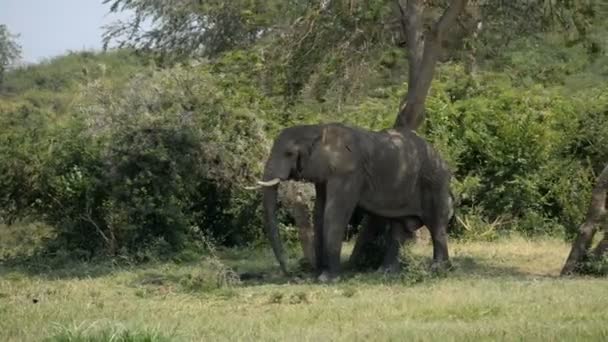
114, 333
298, 298
594, 266
414, 269
477, 227
349, 292
276, 298
224, 275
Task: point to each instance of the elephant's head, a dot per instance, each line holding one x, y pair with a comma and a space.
289, 160
308, 153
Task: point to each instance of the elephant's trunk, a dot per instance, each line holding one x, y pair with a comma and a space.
270, 223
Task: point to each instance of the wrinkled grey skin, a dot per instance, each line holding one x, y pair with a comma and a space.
388, 174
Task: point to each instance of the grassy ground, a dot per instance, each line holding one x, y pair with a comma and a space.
507, 290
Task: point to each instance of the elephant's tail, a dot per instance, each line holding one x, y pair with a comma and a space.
453, 204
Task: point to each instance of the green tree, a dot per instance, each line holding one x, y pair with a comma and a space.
194, 28
10, 50
317, 43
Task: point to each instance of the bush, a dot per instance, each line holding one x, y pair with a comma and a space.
149, 161
508, 147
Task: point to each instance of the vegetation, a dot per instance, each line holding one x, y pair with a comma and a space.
119, 155
123, 213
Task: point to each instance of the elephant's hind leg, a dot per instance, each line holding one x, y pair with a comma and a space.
441, 257
372, 227
436, 219
402, 231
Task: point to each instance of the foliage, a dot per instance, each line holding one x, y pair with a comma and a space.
121, 156
68, 72
176, 30
153, 160
514, 143
594, 266
328, 46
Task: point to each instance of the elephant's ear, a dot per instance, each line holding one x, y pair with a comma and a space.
339, 148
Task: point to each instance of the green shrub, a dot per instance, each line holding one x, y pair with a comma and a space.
138, 165
508, 148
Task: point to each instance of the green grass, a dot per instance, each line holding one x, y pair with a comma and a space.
505, 290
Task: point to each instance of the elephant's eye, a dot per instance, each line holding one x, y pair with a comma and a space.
289, 153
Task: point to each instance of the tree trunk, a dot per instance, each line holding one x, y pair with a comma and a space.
297, 198
473, 24
302, 216
596, 215
422, 56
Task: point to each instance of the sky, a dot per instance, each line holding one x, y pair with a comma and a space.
49, 28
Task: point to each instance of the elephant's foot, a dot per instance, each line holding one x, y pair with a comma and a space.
327, 277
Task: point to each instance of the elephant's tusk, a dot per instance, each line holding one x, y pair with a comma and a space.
262, 184
271, 182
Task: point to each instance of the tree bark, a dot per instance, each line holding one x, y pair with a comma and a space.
297, 198
302, 216
470, 63
473, 24
422, 65
411, 25
596, 215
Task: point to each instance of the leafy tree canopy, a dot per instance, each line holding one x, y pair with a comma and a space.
10, 50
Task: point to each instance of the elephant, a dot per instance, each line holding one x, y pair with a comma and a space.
390, 174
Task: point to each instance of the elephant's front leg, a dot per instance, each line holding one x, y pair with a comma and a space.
318, 216
341, 199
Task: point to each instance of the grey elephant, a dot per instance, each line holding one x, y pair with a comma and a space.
389, 174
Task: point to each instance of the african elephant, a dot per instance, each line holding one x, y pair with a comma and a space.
391, 174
